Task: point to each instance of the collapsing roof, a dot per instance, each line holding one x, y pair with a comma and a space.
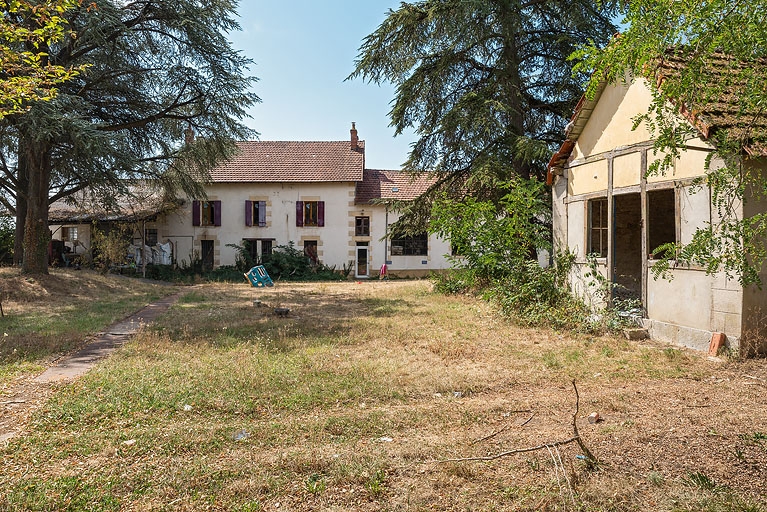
140, 202
725, 112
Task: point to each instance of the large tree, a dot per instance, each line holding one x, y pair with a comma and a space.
157, 70
707, 58
486, 85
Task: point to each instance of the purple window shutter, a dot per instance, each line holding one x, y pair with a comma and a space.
262, 213
320, 213
195, 213
299, 213
216, 213
248, 213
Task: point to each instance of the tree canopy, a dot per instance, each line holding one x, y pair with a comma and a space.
486, 85
25, 71
158, 73
707, 58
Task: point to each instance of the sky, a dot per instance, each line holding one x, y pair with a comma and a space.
303, 51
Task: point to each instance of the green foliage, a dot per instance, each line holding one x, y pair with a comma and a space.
155, 70
532, 295
243, 259
492, 240
710, 56
110, 247
487, 86
7, 237
289, 263
26, 29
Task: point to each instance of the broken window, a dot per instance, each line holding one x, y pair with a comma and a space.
310, 250
661, 218
69, 234
259, 249
598, 216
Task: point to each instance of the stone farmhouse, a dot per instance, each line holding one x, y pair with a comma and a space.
606, 205
317, 195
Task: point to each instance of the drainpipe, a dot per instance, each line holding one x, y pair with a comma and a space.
386, 234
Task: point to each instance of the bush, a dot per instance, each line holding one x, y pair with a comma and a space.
7, 237
532, 295
287, 262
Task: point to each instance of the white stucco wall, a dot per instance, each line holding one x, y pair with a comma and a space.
336, 240
691, 305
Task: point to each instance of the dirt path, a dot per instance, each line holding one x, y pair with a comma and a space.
22, 398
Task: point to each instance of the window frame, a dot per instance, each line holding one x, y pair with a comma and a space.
414, 245
602, 229
255, 213
316, 206
199, 207
313, 256
69, 233
362, 225
155, 235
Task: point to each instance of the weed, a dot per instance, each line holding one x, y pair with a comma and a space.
655, 478
754, 437
701, 481
315, 484
376, 483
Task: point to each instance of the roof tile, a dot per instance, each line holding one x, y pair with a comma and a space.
292, 161
382, 184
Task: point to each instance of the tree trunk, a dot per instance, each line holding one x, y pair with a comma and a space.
21, 207
36, 232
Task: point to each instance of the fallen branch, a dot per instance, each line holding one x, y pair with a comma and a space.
512, 452
591, 461
505, 428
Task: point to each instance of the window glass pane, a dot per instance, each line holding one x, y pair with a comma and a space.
310, 213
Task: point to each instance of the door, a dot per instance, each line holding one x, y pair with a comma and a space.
362, 261
207, 247
627, 242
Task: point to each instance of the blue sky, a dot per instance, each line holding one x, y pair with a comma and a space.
303, 50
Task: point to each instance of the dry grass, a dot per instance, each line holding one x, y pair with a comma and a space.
46, 316
352, 401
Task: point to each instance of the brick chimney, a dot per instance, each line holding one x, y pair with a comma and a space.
355, 139
189, 135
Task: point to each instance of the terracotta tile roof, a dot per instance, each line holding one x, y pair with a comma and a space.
293, 161
725, 113
734, 79
84, 207
381, 184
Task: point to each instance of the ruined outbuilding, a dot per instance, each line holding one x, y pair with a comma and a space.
606, 205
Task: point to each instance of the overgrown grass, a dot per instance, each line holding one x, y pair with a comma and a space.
350, 402
48, 316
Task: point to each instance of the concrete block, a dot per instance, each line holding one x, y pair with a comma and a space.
636, 334
727, 301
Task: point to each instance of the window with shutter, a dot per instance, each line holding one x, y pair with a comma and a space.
195, 213
310, 213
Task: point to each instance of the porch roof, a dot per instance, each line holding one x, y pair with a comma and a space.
139, 203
